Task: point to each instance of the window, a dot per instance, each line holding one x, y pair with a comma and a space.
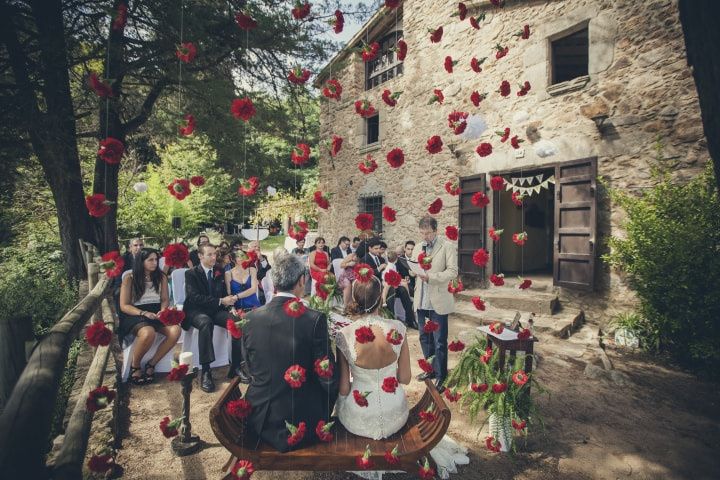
570, 56
372, 130
373, 206
386, 66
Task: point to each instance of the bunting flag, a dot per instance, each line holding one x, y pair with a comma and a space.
516, 184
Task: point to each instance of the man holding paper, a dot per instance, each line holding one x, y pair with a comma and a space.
432, 300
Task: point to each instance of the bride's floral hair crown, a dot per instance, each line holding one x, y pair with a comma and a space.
369, 292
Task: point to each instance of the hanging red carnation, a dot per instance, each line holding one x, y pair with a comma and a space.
364, 221
515, 142
495, 234
525, 284
298, 75
462, 11
364, 462
519, 239
391, 456
451, 232
120, 19
497, 183
186, 52
451, 394
101, 89
524, 33
517, 198
428, 415
294, 307
492, 444
480, 257
524, 89
243, 108
176, 255
364, 334
101, 463
453, 188
171, 316
388, 213
390, 98
248, 187
361, 398
296, 433
323, 367
300, 154
434, 144
242, 470
478, 303
524, 334
338, 22
426, 472
449, 64
298, 230
99, 398
97, 205
456, 346
485, 358
178, 372
197, 180
476, 98
499, 387
497, 280
97, 334
112, 263
484, 149
363, 272
369, 52
424, 261
323, 431
295, 376
480, 199
364, 108
111, 150
475, 22
431, 326
475, 64
504, 134
519, 425
301, 10
396, 157
505, 88
435, 206
401, 50
332, 89
239, 408
321, 200
368, 165
392, 278
426, 364
455, 286
390, 384
457, 121
245, 21
394, 337
437, 97
500, 51
436, 35
520, 378
479, 387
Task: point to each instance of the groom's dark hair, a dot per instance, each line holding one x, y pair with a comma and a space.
286, 272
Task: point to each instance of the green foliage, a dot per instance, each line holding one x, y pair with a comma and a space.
671, 253
66, 384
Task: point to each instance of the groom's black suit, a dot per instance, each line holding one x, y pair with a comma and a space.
273, 341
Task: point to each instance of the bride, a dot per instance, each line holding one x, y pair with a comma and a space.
374, 354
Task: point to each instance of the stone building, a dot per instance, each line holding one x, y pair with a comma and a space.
609, 84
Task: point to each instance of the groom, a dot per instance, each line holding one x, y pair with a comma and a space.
280, 340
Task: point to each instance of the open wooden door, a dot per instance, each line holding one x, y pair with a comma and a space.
575, 224
472, 230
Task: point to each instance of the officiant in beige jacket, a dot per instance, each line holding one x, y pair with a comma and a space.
432, 300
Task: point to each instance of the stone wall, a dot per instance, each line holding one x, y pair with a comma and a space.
638, 77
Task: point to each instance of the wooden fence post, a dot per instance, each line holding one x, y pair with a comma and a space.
14, 332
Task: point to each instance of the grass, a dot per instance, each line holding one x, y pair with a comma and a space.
271, 243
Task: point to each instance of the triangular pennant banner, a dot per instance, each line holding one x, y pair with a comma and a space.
539, 177
551, 179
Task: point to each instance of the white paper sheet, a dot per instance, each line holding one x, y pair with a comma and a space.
415, 267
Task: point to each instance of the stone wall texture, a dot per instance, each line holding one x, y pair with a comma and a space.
638, 76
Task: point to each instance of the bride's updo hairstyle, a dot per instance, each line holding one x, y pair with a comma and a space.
365, 296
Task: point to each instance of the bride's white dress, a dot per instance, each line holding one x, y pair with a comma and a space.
386, 413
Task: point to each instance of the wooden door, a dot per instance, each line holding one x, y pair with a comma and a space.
575, 224
472, 230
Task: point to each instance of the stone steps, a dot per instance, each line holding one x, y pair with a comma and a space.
536, 301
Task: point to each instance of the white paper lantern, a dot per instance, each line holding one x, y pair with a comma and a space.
545, 148
520, 117
271, 191
140, 187
475, 127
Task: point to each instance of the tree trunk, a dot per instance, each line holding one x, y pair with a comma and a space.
702, 42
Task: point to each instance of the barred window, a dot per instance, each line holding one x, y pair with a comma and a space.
386, 66
373, 206
372, 130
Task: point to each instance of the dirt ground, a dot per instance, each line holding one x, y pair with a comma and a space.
660, 424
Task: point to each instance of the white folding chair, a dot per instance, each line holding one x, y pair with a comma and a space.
268, 288
163, 366
125, 274
337, 270
177, 278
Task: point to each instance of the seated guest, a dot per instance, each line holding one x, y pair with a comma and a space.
133, 247
361, 249
224, 246
405, 254
401, 292
273, 341
347, 276
354, 244
143, 294
373, 257
301, 252
207, 306
223, 259
262, 265
383, 250
341, 250
236, 245
319, 263
242, 283
194, 254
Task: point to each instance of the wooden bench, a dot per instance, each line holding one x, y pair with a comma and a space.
415, 440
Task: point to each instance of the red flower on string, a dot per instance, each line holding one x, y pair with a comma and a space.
449, 64
321, 200
243, 109
248, 187
452, 395
111, 150
501, 51
364, 108
424, 261
186, 52
434, 144
364, 221
485, 358
323, 367
431, 326
369, 52
517, 198
394, 337
368, 165
499, 387
438, 97
504, 135
451, 232
457, 121
97, 205
426, 472
520, 378
515, 142
524, 33
519, 425
480, 199
426, 365
364, 335
478, 303
294, 307
497, 280
392, 4
242, 470
453, 188
524, 89
484, 149
480, 257
525, 284
436, 35
396, 157
178, 373
392, 278
101, 463
99, 398
232, 327
428, 415
479, 387
296, 433
475, 22
120, 19
361, 398
298, 75
462, 11
363, 272
197, 180
332, 89
245, 21
495, 234
295, 376
456, 346
101, 89
476, 64
390, 384
112, 263
301, 10
401, 50
476, 98
390, 98
388, 213
300, 154
171, 316
497, 327
323, 431
497, 183
524, 334
435, 206
391, 456
519, 239
179, 188
239, 408
298, 230
363, 461
455, 286
176, 255
338, 22
505, 88
170, 428
492, 444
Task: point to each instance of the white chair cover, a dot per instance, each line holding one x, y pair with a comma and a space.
125, 274
268, 288
177, 278
337, 270
163, 366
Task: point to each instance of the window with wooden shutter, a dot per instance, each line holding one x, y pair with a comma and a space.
472, 230
575, 224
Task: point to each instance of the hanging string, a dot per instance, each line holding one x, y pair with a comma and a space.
107, 130
244, 174
182, 26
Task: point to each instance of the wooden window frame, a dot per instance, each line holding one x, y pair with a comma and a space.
386, 72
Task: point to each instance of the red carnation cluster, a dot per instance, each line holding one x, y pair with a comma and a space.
101, 89
396, 157
505, 88
497, 280
296, 433
300, 154
298, 75
476, 64
364, 462
525, 284
455, 286
364, 334
390, 384
517, 198
301, 10
242, 470
248, 187
492, 444
112, 264
476, 97
243, 109
171, 316
394, 337
519, 425
368, 165
392, 278
462, 11
519, 239
429, 415
338, 22
475, 22
401, 50
364, 108
364, 221
370, 52
451, 394
391, 456
332, 89
390, 98
245, 21
497, 327
170, 428
456, 346
484, 149
298, 230
363, 272
497, 183
189, 127
479, 387
389, 213
186, 52
495, 234
324, 367
501, 51
449, 64
453, 188
524, 89
480, 257
360, 398
99, 398
504, 135
426, 365
239, 408
435, 206
434, 144
451, 232
178, 373
436, 35
438, 97
431, 326
111, 150
321, 200
295, 376
524, 33
179, 188
480, 199
478, 303
97, 204
424, 261
457, 121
